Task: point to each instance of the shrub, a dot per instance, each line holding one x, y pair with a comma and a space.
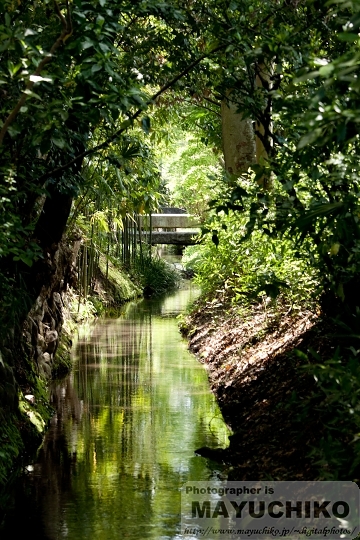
156, 275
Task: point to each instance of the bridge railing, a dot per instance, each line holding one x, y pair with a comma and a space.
172, 222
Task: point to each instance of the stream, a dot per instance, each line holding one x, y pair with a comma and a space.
121, 444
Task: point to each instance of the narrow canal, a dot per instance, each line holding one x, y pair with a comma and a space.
121, 445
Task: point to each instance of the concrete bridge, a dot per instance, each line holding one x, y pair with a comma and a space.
172, 227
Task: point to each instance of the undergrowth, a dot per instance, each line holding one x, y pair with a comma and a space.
117, 282
155, 274
248, 271
335, 402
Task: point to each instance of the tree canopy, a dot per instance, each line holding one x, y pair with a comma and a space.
95, 96
79, 79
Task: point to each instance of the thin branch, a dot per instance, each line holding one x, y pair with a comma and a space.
216, 103
65, 34
126, 29
203, 107
131, 119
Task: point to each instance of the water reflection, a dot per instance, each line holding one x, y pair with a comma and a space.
122, 443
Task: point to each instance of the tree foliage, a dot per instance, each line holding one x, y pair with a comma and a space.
89, 89
74, 78
307, 111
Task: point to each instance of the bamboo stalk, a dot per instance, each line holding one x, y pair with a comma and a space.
79, 277
140, 241
107, 256
85, 271
134, 238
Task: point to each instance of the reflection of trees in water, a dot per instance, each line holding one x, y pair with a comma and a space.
107, 380
108, 363
41, 494
166, 305
113, 461
141, 310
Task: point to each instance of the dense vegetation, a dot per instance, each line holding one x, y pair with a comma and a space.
95, 94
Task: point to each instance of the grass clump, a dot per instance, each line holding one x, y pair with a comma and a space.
125, 288
156, 275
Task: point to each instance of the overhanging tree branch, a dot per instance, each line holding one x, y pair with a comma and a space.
203, 107
133, 117
216, 103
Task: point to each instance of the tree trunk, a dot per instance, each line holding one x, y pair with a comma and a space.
238, 139
53, 218
243, 144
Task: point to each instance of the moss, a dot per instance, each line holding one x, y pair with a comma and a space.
11, 443
62, 360
21, 423
19, 440
117, 287
41, 395
21, 433
34, 416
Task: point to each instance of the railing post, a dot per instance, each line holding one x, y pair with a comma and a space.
150, 232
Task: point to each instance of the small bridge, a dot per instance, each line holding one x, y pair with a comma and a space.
171, 225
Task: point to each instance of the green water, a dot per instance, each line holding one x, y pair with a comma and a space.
121, 445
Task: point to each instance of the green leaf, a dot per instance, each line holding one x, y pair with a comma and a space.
13, 69
310, 138
325, 71
104, 47
14, 130
347, 36
22, 257
87, 44
26, 260
60, 143
5, 45
32, 94
302, 355
95, 68
118, 176
124, 125
319, 210
307, 76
